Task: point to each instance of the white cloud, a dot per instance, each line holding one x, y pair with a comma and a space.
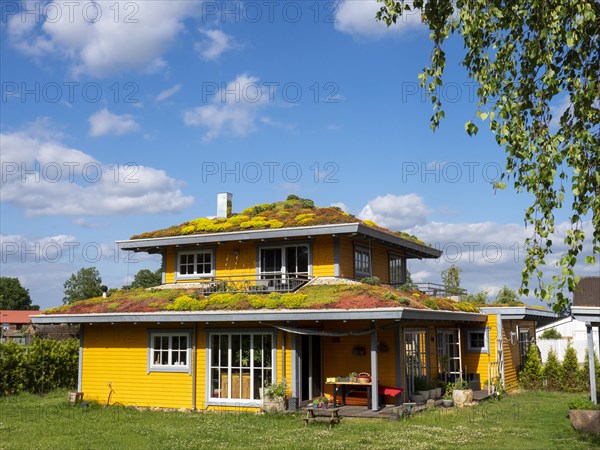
104, 122
341, 205
358, 18
233, 110
215, 45
100, 38
167, 93
396, 211
45, 177
558, 110
490, 254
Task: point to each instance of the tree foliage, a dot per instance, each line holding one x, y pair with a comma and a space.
551, 333
526, 56
145, 278
507, 296
478, 298
86, 283
532, 375
14, 296
569, 376
552, 371
451, 279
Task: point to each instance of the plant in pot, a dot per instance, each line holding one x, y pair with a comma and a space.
325, 402
460, 394
584, 416
447, 399
274, 397
421, 387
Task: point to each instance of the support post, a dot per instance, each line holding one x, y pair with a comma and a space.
590, 342
374, 374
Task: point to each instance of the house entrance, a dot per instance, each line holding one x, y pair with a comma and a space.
310, 367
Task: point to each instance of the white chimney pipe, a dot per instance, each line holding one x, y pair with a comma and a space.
224, 205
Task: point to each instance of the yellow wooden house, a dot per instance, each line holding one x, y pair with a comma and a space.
278, 293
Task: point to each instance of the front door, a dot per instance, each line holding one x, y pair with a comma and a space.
309, 368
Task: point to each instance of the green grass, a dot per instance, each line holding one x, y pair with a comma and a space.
527, 420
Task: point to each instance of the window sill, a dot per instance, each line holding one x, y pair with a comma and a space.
234, 402
170, 369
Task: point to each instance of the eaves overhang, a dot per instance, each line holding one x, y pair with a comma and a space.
152, 245
587, 314
540, 316
263, 316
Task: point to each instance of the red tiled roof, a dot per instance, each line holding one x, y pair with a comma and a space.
12, 316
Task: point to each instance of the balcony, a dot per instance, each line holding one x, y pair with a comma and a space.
266, 282
439, 290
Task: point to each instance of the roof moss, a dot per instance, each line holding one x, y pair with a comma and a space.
293, 212
336, 296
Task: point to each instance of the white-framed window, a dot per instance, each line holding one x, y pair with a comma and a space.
293, 260
362, 262
169, 350
195, 264
478, 340
395, 267
240, 365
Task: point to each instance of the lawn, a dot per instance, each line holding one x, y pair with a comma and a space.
526, 420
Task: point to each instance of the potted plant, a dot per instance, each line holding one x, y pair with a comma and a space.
422, 388
447, 399
460, 394
584, 415
325, 402
274, 397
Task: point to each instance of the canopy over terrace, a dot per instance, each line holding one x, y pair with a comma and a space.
289, 321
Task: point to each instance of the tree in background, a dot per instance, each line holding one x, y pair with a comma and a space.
451, 279
479, 297
507, 296
584, 374
145, 278
552, 371
551, 333
14, 296
532, 375
569, 371
527, 57
86, 283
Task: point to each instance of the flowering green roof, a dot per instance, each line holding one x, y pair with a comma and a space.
293, 212
337, 296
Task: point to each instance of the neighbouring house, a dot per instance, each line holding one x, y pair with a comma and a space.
573, 332
16, 326
280, 292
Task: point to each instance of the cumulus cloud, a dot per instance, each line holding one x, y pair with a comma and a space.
358, 18
45, 177
216, 43
104, 122
100, 38
490, 254
234, 109
168, 93
396, 211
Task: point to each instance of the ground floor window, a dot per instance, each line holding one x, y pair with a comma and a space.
478, 341
169, 351
415, 348
240, 364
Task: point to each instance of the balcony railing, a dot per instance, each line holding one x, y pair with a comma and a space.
439, 290
252, 284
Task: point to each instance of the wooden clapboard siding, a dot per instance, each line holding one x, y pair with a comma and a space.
322, 256
118, 355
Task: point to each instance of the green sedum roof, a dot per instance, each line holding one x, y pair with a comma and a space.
293, 212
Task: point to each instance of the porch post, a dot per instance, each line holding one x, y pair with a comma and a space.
590, 342
374, 375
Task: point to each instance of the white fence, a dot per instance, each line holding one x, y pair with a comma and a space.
560, 345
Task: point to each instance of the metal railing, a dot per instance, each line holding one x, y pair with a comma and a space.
266, 282
439, 290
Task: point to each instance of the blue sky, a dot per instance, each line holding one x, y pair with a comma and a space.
123, 117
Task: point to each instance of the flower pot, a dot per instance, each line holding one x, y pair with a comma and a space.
425, 394
274, 404
585, 420
462, 397
417, 398
448, 402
